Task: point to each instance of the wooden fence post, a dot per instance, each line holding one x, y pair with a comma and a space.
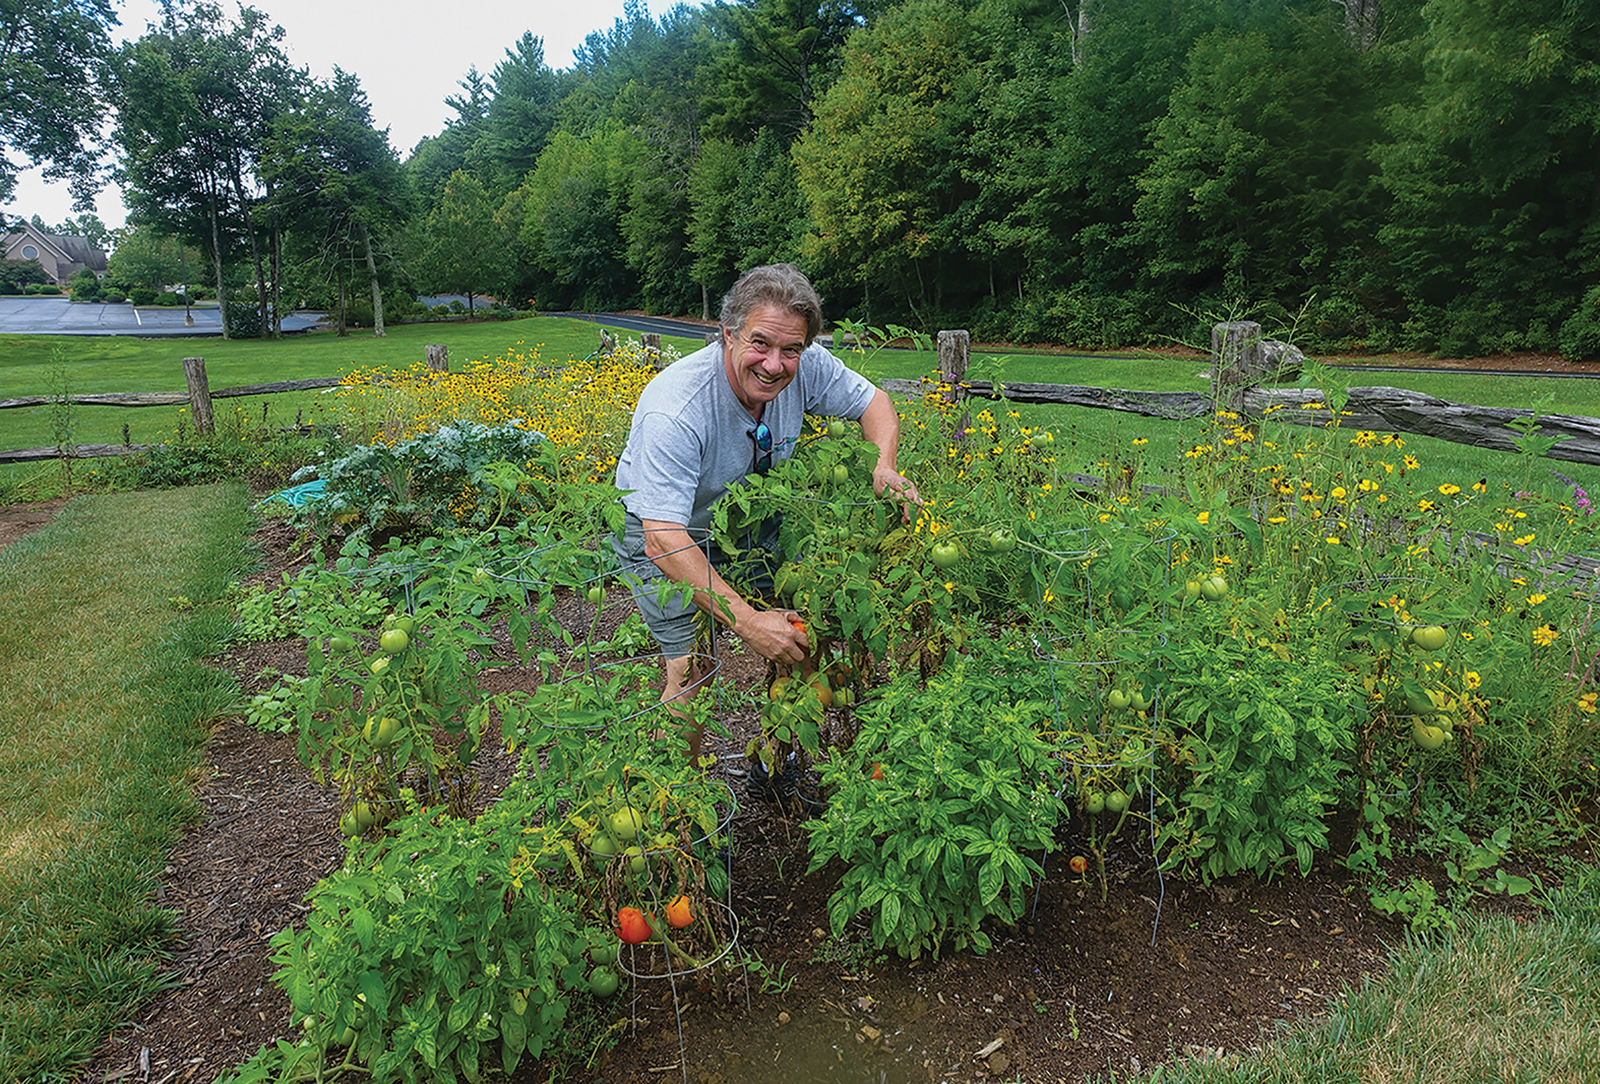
651, 342
438, 356
955, 351
1235, 362
194, 371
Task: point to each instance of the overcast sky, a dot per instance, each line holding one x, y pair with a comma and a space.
409, 55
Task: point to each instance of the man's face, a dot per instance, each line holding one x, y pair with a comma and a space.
761, 357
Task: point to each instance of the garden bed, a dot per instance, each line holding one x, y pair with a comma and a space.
1160, 968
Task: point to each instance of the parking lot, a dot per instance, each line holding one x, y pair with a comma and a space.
59, 316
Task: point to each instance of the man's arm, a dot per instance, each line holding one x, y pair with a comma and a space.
681, 559
881, 425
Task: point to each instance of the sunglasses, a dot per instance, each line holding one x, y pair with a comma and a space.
763, 438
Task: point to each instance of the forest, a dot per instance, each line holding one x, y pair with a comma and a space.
1372, 176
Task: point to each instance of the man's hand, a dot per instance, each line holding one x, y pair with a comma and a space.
775, 635
894, 486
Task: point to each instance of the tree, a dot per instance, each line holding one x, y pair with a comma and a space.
880, 167
1260, 181
464, 246
1492, 165
713, 201
337, 183
574, 202
771, 59
146, 258
196, 102
87, 226
521, 112
51, 101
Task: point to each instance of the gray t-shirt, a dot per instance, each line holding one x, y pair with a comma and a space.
691, 438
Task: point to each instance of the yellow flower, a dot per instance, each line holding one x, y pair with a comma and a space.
1449, 490
1545, 635
1535, 599
1586, 702
1411, 462
1425, 505
1338, 493
1203, 517
1524, 540
1141, 440
1333, 540
1472, 679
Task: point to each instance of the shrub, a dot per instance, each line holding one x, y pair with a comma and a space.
142, 295
1580, 332
941, 841
244, 319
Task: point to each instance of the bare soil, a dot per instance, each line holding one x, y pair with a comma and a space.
1157, 969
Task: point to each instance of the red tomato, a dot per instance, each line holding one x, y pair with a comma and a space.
632, 927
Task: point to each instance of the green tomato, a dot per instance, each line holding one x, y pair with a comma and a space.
1428, 738
836, 428
945, 554
603, 982
604, 952
841, 474
1118, 700
625, 823
394, 641
341, 642
1042, 439
1117, 801
596, 594
1002, 541
381, 733
1094, 803
348, 825
1430, 637
1137, 701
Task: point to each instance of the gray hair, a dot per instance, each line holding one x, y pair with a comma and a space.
782, 285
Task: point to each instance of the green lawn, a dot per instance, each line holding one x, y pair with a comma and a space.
101, 730
37, 365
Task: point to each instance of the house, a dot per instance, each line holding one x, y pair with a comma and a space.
61, 257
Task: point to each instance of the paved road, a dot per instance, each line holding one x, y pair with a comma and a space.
58, 316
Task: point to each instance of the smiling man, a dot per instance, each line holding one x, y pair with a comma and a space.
709, 420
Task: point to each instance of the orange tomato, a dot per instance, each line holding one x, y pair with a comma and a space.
679, 913
632, 927
824, 694
877, 770
1079, 863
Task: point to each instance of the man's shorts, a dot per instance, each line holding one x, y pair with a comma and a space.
678, 625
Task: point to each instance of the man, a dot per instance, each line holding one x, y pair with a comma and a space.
707, 421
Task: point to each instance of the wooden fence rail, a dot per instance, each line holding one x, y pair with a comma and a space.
1236, 374
197, 398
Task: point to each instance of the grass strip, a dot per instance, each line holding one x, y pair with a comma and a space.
101, 732
1494, 1000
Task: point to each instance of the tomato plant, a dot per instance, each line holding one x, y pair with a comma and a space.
946, 840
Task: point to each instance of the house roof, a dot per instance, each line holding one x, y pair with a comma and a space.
70, 248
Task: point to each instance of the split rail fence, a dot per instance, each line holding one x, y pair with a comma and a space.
1237, 369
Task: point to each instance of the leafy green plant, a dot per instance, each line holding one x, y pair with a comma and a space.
937, 806
273, 711
1263, 723
432, 958
1417, 902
